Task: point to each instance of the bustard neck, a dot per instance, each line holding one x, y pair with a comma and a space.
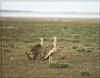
41, 41
54, 43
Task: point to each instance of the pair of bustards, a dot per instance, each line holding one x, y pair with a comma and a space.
38, 51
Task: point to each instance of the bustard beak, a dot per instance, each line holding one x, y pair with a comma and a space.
55, 37
41, 38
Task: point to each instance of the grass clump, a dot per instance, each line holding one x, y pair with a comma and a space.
76, 36
84, 73
81, 48
7, 48
59, 64
75, 47
84, 49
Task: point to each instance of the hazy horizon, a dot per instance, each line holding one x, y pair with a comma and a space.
51, 9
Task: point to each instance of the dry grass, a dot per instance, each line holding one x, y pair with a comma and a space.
18, 37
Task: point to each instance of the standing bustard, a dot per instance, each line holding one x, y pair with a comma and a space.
50, 50
36, 51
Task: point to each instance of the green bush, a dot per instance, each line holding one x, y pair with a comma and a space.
60, 47
76, 36
88, 50
7, 48
74, 47
84, 49
84, 73
81, 48
59, 64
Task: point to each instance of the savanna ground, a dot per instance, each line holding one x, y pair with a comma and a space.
79, 37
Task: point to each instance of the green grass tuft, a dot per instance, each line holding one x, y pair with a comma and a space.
84, 73
59, 64
79, 48
75, 47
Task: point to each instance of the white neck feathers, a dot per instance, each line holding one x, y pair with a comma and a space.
41, 41
54, 43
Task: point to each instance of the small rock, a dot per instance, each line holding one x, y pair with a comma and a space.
11, 58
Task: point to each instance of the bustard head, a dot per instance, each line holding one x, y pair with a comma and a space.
41, 41
55, 38
55, 41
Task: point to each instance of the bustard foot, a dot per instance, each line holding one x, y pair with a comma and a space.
29, 56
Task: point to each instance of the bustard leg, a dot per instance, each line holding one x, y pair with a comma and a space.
30, 56
50, 59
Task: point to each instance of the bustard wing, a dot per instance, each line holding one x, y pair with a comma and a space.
37, 50
48, 51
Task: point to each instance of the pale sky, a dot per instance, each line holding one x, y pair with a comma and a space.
84, 6
52, 6
50, 0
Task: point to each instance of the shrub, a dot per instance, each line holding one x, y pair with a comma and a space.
12, 46
74, 47
76, 36
59, 64
84, 49
84, 73
81, 48
88, 50
60, 47
7, 48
